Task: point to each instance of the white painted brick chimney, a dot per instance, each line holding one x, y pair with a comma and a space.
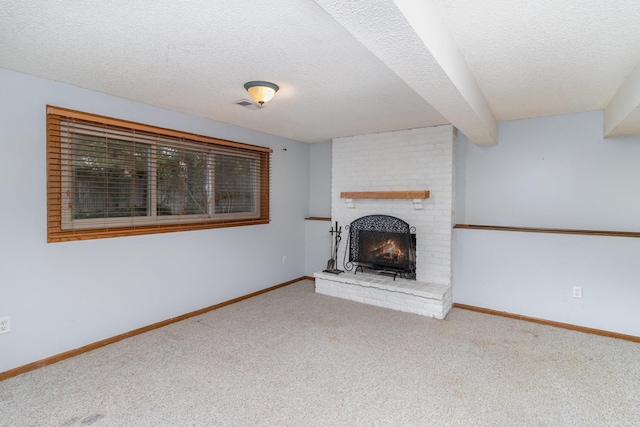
416, 159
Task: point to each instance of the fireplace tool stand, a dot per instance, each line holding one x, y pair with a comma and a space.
331, 264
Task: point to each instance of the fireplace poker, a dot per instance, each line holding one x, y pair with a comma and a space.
335, 242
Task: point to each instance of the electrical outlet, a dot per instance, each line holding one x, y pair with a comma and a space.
577, 292
5, 325
284, 259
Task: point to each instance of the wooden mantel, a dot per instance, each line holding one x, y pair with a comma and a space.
422, 194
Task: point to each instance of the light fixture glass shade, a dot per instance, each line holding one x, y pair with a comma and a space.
260, 91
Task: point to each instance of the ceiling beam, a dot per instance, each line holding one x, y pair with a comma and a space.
622, 115
411, 39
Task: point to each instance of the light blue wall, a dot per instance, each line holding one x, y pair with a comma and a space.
317, 236
317, 246
555, 171
320, 179
61, 296
551, 172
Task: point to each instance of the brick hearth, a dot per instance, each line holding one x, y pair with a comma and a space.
406, 295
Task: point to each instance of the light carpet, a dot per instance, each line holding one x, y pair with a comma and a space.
291, 357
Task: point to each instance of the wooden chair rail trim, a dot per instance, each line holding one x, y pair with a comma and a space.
317, 218
420, 194
569, 326
550, 230
71, 353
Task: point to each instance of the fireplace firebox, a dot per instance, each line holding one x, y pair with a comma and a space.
381, 243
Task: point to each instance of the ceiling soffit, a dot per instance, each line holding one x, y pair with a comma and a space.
410, 38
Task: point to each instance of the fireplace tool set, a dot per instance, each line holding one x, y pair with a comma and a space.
331, 264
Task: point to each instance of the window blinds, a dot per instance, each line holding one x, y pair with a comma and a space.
108, 177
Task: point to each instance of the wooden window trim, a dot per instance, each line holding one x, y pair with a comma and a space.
55, 231
152, 129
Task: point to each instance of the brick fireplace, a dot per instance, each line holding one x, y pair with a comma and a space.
418, 165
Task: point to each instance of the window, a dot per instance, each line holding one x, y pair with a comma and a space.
108, 178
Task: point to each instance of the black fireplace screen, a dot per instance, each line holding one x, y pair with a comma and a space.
382, 242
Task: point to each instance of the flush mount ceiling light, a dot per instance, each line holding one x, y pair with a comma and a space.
260, 91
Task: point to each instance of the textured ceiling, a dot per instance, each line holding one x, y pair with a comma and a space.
344, 68
536, 58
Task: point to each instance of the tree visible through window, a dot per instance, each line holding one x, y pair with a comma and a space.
234, 189
182, 182
109, 178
